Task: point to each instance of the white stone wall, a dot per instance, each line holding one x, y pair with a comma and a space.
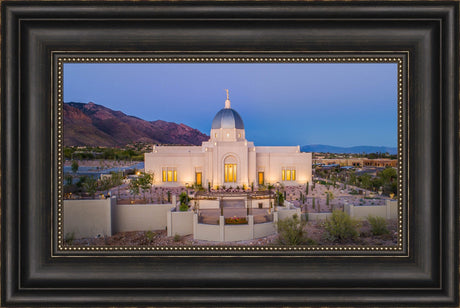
319, 216
186, 164
271, 163
180, 223
265, 229
207, 232
387, 211
88, 218
285, 213
139, 217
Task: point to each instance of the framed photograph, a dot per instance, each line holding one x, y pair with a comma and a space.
230, 153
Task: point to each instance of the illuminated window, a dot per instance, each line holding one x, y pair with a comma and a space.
169, 174
239, 135
215, 135
261, 178
288, 174
198, 176
230, 173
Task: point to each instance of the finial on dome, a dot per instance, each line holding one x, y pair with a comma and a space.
227, 102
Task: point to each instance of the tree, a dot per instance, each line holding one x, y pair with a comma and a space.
117, 180
306, 189
105, 184
389, 176
145, 181
365, 180
74, 166
68, 179
134, 187
90, 185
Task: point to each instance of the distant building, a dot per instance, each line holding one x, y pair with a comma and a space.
357, 162
228, 159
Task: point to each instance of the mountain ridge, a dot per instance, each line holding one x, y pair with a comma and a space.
96, 125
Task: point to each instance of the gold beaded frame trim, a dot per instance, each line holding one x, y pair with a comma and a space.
401, 58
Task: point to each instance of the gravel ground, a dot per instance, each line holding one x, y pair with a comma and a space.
313, 230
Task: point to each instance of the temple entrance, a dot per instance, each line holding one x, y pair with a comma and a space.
230, 170
198, 176
230, 173
261, 178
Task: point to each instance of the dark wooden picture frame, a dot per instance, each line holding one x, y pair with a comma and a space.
32, 274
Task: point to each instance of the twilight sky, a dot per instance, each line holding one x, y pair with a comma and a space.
280, 103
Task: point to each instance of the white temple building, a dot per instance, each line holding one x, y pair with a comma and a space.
228, 159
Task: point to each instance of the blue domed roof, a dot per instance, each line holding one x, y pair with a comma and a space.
227, 118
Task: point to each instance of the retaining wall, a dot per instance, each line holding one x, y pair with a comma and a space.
262, 230
387, 211
139, 217
180, 223
319, 216
88, 218
285, 213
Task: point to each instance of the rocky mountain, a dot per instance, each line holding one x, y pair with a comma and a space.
321, 148
96, 125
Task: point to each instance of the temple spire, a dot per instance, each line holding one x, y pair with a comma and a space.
227, 102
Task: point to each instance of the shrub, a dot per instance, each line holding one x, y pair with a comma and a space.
183, 198
341, 226
183, 207
176, 237
291, 232
150, 236
378, 225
